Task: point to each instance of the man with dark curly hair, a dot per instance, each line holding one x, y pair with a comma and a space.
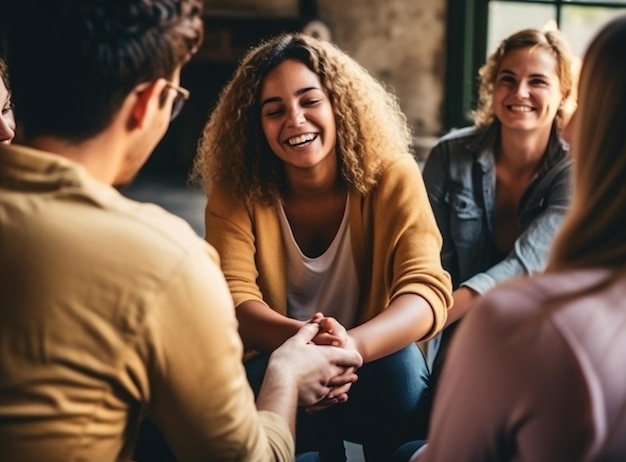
113, 309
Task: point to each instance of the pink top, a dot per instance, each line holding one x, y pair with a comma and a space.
536, 373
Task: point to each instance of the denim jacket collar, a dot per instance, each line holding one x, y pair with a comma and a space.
484, 146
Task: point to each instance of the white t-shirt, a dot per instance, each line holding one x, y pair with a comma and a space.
327, 283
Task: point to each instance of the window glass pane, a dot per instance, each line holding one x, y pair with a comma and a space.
615, 2
579, 24
506, 18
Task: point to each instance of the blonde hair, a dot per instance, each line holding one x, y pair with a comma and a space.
552, 41
233, 151
594, 233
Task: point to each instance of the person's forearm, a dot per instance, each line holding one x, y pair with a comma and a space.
407, 319
262, 328
300, 372
279, 394
463, 298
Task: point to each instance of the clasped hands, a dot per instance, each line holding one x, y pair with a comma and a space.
332, 333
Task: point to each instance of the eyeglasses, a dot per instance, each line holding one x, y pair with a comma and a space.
182, 94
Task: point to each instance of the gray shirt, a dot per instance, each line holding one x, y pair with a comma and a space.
460, 178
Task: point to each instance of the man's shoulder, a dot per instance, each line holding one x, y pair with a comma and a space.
149, 248
143, 233
151, 225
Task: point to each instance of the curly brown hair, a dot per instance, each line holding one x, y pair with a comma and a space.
552, 41
233, 151
108, 48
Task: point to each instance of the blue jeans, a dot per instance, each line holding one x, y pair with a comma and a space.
386, 407
403, 454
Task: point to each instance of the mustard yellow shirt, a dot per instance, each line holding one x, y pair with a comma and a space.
395, 243
111, 309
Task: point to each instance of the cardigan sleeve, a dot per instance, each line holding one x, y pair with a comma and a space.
229, 230
407, 242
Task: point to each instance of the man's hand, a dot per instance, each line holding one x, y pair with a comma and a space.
333, 333
316, 369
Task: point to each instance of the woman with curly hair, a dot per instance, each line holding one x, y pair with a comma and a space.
7, 120
316, 205
500, 188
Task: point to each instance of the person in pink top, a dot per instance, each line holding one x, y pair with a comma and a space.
535, 372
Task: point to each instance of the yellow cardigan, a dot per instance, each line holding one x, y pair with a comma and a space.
395, 242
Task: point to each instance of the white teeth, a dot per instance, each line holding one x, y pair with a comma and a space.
521, 108
301, 139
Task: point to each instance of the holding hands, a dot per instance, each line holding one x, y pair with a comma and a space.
332, 333
323, 372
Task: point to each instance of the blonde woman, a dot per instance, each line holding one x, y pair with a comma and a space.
500, 188
316, 205
535, 369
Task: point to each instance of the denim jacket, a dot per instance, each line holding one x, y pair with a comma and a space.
460, 178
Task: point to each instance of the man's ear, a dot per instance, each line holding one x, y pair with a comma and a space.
146, 103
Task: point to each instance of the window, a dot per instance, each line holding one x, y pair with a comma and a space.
475, 27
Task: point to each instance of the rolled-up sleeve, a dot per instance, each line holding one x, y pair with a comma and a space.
230, 231
411, 240
200, 397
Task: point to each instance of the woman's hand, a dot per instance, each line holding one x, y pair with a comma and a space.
317, 370
331, 331
339, 393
